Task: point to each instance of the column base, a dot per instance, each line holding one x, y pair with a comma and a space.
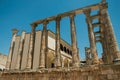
58, 67
41, 67
76, 65
27, 68
116, 61
95, 61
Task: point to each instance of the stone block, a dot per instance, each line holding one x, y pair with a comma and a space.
103, 77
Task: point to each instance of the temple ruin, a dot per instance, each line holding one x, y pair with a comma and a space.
43, 50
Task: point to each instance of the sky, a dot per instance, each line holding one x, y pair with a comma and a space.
21, 13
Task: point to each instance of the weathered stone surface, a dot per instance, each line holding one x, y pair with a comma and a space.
25, 51
102, 72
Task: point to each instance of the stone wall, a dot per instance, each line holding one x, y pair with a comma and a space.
3, 59
96, 72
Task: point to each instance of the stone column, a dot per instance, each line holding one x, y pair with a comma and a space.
113, 46
20, 51
87, 53
62, 64
106, 52
31, 48
43, 45
57, 50
75, 54
95, 59
68, 64
9, 59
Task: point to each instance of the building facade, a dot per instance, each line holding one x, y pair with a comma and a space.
44, 49
21, 47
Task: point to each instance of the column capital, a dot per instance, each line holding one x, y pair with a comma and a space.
45, 22
87, 49
103, 6
72, 15
87, 12
33, 25
23, 31
15, 31
103, 1
58, 18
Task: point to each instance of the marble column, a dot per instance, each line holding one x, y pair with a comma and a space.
43, 45
75, 54
57, 50
20, 51
31, 48
113, 46
9, 59
95, 59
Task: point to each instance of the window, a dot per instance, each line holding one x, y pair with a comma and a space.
65, 49
61, 47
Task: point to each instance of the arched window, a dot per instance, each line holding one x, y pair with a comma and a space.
71, 53
52, 65
61, 47
65, 49
68, 51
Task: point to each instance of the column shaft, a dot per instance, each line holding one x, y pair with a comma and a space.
20, 51
113, 47
43, 46
95, 59
75, 54
9, 59
113, 42
58, 54
31, 49
106, 51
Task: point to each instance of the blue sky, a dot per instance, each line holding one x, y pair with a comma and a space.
21, 13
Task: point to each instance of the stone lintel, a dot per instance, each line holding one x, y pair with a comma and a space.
98, 40
98, 37
96, 24
98, 32
95, 16
77, 11
45, 22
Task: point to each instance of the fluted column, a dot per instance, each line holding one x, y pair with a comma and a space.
20, 51
31, 49
113, 46
9, 59
75, 54
43, 45
58, 54
95, 59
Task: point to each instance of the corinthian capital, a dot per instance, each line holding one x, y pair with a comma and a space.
33, 25
104, 6
87, 12
15, 31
